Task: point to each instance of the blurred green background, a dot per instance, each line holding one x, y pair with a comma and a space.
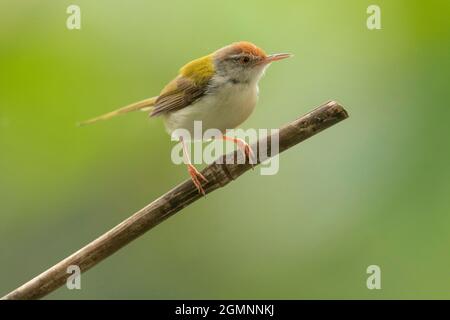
371, 190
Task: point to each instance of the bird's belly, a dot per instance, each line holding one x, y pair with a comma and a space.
224, 110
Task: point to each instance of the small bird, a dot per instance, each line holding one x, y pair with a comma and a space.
220, 89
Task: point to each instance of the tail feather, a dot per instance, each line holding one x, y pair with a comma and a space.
140, 105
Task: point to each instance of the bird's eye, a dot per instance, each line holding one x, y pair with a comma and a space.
245, 59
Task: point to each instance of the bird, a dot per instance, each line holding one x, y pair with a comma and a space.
219, 89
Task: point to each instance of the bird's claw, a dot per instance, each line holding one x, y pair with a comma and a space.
247, 151
196, 176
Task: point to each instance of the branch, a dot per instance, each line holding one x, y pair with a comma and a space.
175, 200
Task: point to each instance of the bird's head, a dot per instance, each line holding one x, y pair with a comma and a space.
243, 61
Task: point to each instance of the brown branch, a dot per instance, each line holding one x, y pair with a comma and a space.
173, 201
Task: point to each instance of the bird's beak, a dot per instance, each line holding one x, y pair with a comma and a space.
276, 57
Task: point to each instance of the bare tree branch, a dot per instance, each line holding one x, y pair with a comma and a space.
218, 175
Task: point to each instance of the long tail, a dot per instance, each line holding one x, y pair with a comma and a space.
140, 105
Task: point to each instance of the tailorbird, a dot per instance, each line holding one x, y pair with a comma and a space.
220, 90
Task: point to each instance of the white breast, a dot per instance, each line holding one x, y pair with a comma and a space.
225, 108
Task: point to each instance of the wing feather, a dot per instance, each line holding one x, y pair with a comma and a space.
178, 94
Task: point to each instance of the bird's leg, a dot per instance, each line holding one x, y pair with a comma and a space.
243, 146
196, 176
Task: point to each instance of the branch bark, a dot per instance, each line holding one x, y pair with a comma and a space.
219, 174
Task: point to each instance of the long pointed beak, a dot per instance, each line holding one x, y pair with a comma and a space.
276, 57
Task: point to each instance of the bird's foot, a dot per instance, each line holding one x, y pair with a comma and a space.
246, 150
196, 177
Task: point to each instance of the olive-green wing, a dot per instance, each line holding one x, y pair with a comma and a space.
179, 93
